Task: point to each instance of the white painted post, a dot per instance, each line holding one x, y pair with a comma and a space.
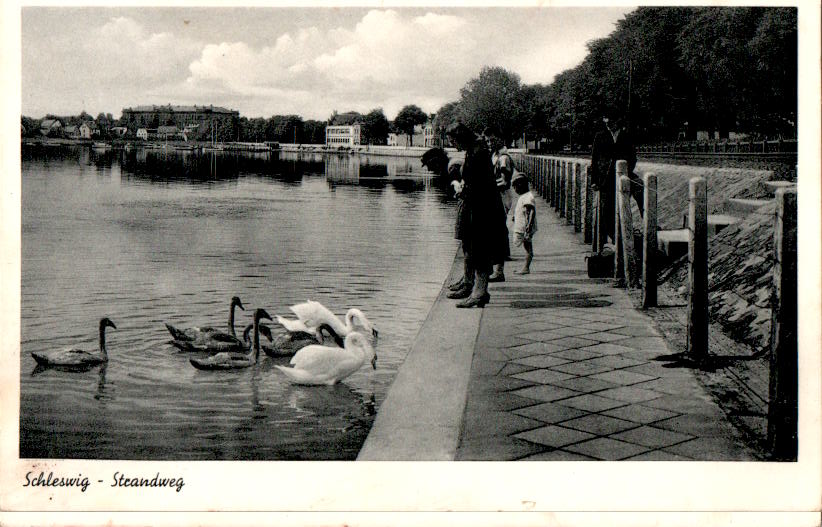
578, 179
649, 244
588, 213
619, 263
626, 223
569, 192
698, 269
783, 388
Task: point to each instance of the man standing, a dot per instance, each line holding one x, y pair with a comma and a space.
503, 172
610, 145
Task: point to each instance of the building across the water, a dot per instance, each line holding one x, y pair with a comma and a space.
423, 136
180, 116
343, 135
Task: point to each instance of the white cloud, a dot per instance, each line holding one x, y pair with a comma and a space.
388, 59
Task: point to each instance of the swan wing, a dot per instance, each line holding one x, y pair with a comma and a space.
326, 361
293, 325
66, 357
313, 314
298, 376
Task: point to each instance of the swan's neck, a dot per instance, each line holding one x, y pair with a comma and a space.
103, 341
231, 320
255, 354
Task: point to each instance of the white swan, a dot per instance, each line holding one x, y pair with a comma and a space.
317, 364
77, 358
311, 315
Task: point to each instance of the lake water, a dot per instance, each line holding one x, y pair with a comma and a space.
148, 237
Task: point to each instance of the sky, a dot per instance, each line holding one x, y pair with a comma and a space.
274, 61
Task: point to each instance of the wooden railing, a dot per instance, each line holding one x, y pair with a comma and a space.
565, 183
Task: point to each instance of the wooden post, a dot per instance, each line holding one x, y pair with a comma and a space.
569, 192
649, 242
782, 408
578, 180
563, 182
631, 271
587, 231
619, 259
557, 181
546, 183
698, 269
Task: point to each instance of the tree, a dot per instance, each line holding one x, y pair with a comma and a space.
409, 117
447, 115
493, 99
375, 127
314, 132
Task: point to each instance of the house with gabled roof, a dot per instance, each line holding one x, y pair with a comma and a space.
51, 127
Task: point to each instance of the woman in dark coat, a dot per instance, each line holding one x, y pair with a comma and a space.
484, 236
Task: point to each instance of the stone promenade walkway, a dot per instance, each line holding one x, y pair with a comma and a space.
565, 368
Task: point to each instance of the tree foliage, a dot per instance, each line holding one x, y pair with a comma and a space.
375, 127
409, 117
493, 99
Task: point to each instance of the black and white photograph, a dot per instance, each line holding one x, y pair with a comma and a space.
395, 257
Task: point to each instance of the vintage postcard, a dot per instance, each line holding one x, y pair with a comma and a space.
344, 259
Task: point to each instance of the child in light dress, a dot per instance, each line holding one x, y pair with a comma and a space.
525, 219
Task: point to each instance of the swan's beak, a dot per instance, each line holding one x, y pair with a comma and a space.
374, 362
375, 333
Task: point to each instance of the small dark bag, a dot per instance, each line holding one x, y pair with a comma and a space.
600, 265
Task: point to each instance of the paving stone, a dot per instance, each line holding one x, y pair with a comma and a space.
486, 367
554, 334
576, 354
658, 369
503, 340
652, 437
607, 449
697, 425
554, 436
541, 361
605, 336
495, 448
640, 414
581, 368
545, 392
495, 384
483, 423
601, 326
711, 449
658, 455
652, 344
490, 354
617, 361
607, 348
624, 377
685, 405
543, 376
558, 455
527, 350
639, 330
631, 394
573, 342
673, 388
513, 369
499, 402
540, 325
584, 384
551, 413
600, 425
592, 403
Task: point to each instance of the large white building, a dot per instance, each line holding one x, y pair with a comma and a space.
343, 135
